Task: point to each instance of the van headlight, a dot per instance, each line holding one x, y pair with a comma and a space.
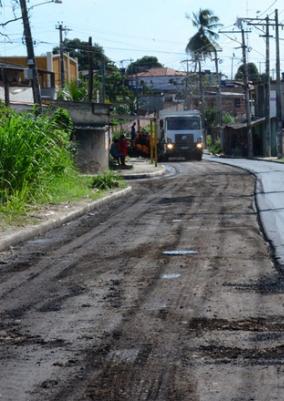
199, 145
170, 146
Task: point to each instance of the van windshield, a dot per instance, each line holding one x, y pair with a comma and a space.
183, 123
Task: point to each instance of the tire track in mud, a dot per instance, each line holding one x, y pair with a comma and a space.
116, 380
157, 323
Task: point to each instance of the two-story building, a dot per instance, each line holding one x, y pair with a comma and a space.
48, 68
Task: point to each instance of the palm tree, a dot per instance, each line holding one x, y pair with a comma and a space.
203, 43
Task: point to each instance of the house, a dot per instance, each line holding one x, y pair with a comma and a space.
49, 63
15, 85
158, 80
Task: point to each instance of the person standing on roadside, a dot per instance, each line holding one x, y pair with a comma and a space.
133, 134
114, 150
123, 149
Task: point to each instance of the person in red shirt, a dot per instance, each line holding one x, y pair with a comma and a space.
123, 149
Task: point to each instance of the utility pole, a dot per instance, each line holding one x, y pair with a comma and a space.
91, 71
278, 91
267, 90
103, 82
266, 22
232, 66
62, 29
247, 105
188, 102
32, 68
246, 87
219, 97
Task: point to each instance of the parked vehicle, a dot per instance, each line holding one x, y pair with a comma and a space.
180, 135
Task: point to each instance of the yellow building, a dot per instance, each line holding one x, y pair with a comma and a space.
50, 63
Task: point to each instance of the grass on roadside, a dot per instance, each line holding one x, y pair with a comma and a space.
65, 190
37, 164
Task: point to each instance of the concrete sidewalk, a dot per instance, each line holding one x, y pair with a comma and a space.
138, 167
50, 217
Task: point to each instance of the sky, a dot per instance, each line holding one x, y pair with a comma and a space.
131, 29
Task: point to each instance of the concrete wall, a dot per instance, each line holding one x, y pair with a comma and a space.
91, 122
92, 150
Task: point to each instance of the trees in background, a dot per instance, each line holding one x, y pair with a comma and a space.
203, 43
143, 64
253, 74
81, 50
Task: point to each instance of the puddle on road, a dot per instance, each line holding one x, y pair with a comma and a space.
40, 241
179, 252
170, 276
177, 220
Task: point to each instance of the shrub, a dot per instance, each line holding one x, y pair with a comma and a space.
34, 150
107, 180
228, 118
216, 147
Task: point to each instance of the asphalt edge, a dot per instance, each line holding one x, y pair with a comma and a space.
33, 231
272, 248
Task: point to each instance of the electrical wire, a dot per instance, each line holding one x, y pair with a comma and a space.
265, 11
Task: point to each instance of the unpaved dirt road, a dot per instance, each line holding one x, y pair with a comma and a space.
98, 311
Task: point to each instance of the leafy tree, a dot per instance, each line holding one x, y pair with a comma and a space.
203, 43
143, 64
116, 90
73, 91
108, 79
81, 50
253, 74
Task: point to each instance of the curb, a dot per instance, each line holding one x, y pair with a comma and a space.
28, 233
144, 175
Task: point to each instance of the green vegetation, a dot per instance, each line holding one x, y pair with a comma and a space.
107, 180
227, 118
214, 148
80, 49
36, 162
143, 64
203, 43
74, 91
253, 74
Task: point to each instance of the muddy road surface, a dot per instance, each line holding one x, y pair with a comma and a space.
169, 294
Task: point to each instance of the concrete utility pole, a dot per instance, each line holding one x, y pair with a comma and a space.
266, 22
267, 141
32, 68
188, 100
232, 66
246, 87
103, 82
91, 71
247, 105
278, 91
219, 95
62, 29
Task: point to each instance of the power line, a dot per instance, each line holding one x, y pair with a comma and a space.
269, 7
